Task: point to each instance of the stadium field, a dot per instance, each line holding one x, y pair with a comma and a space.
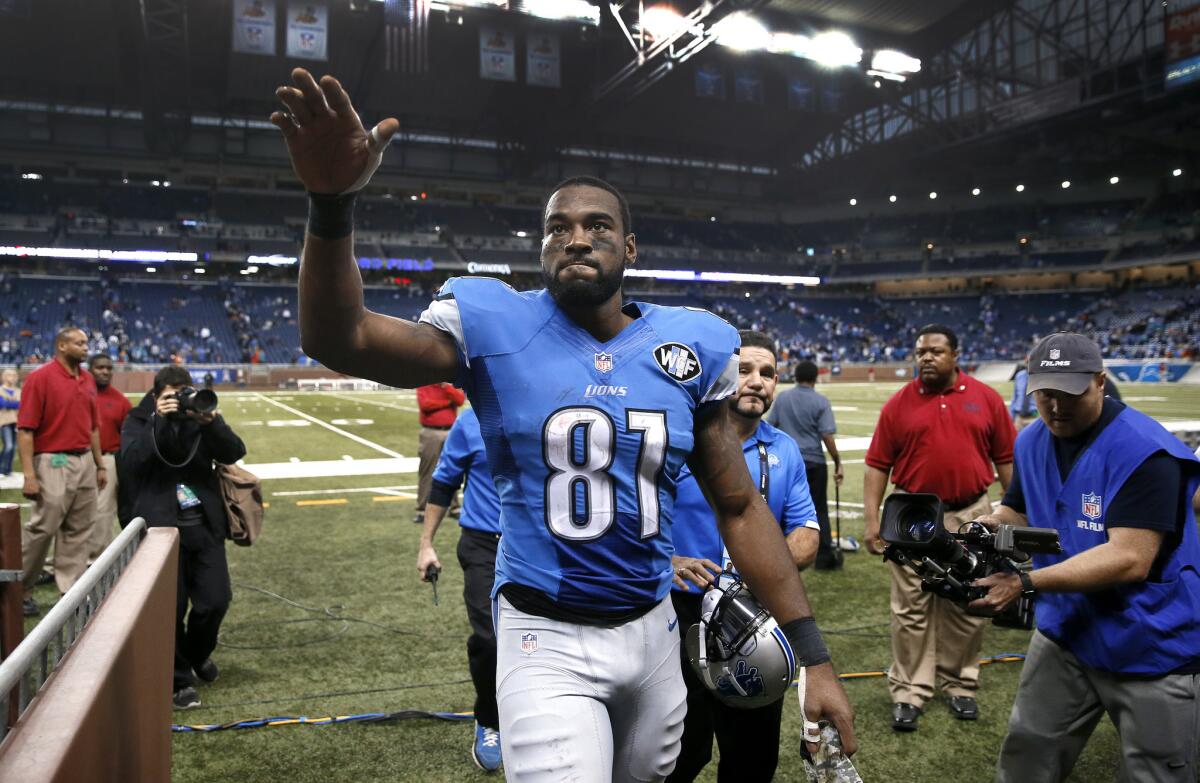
329, 618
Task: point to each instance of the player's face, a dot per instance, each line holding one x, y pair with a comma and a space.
936, 360
102, 371
9, 378
756, 382
584, 247
74, 346
1069, 415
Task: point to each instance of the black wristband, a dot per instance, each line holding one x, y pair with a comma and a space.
806, 642
331, 216
1027, 588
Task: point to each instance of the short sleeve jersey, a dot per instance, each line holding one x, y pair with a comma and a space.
464, 458
585, 439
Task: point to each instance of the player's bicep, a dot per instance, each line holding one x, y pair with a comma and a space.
716, 462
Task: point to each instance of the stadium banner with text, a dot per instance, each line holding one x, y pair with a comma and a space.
543, 65
497, 55
748, 86
1182, 38
710, 82
801, 94
254, 26
308, 31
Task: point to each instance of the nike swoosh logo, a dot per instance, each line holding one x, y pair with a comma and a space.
672, 623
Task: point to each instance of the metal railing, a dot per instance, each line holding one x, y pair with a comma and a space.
29, 666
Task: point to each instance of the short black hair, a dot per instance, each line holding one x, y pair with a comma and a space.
98, 357
596, 182
753, 339
941, 329
805, 372
63, 332
171, 375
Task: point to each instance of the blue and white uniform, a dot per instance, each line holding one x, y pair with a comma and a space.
586, 440
463, 458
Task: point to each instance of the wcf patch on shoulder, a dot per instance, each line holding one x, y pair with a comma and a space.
678, 361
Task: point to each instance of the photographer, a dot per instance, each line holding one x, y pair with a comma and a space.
167, 476
1117, 612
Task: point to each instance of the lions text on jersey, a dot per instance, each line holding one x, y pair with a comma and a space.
585, 439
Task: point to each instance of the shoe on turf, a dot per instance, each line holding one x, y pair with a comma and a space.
208, 671
44, 578
186, 698
964, 707
486, 748
29, 608
904, 716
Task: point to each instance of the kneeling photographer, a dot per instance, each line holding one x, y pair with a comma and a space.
1118, 611
168, 445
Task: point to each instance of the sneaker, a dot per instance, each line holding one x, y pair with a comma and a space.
208, 671
44, 578
29, 608
486, 750
186, 698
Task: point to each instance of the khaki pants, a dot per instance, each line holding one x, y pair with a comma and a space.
429, 449
68, 504
934, 641
106, 511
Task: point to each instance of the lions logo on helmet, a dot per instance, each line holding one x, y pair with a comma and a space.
738, 650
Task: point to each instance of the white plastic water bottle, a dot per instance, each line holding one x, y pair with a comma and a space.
829, 764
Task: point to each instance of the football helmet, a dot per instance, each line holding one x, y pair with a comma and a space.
738, 650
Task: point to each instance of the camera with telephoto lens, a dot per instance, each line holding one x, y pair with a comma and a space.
948, 562
200, 402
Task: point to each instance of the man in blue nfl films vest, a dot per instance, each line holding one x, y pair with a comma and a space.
1118, 613
589, 407
748, 738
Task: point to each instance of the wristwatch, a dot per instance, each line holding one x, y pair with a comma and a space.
1027, 588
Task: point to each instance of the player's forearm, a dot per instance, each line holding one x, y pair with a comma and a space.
802, 544
331, 299
874, 484
434, 514
1098, 568
762, 556
1010, 516
831, 447
25, 449
97, 454
1005, 472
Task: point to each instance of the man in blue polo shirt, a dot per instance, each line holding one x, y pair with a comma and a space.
463, 456
748, 738
1118, 612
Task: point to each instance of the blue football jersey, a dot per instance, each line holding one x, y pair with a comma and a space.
463, 458
585, 439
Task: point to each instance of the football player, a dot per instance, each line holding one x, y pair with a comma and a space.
588, 408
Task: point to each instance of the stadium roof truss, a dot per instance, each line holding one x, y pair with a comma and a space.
1031, 60
166, 110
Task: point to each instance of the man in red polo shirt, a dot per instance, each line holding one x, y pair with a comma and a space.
941, 434
439, 404
113, 406
59, 441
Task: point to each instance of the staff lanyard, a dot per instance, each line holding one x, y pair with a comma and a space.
728, 572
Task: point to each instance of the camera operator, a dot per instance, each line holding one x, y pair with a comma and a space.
1118, 612
940, 434
167, 476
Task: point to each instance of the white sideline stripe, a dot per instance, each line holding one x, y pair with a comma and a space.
331, 428
356, 401
844, 407
333, 467
1189, 425
396, 490
853, 444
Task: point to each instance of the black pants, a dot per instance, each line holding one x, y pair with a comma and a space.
204, 582
818, 486
748, 739
477, 556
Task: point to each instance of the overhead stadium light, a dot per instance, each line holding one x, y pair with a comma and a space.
833, 49
892, 198
35, 176
661, 21
892, 77
571, 10
854, 202
689, 276
789, 43
1113, 180
1020, 188
1177, 172
932, 195
142, 256
741, 31
975, 191
894, 62
1066, 183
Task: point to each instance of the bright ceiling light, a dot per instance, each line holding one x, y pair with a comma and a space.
833, 49
1113, 180
742, 32
975, 191
891, 77
660, 21
35, 176
1066, 183
789, 43
892, 199
200, 270
1177, 172
1020, 188
893, 61
575, 10
932, 195
854, 202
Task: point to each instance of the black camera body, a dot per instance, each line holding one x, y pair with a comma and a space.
199, 402
949, 562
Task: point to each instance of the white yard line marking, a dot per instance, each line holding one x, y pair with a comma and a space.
844, 407
395, 490
333, 467
331, 428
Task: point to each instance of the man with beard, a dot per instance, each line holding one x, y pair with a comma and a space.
940, 434
588, 408
748, 738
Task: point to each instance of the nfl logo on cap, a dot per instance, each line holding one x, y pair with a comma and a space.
529, 643
1055, 353
1091, 506
604, 362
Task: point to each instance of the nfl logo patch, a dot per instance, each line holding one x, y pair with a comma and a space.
604, 362
1055, 353
529, 643
1091, 506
